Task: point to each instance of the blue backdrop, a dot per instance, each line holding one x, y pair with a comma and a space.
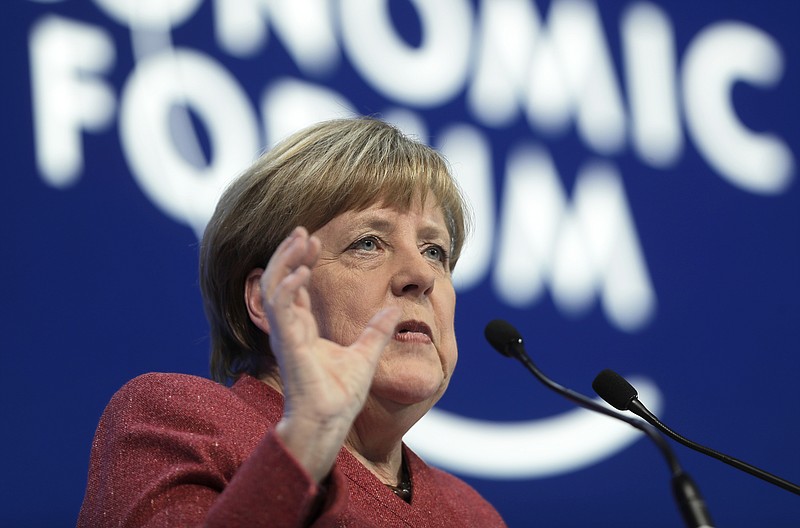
632, 169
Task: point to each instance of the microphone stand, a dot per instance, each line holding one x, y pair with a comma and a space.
686, 493
638, 408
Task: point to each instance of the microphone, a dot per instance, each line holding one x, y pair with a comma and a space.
616, 390
507, 340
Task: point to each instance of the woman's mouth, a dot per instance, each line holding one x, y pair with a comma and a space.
413, 332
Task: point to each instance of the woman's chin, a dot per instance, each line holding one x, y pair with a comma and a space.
409, 388
411, 377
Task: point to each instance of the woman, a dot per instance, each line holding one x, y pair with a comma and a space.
336, 348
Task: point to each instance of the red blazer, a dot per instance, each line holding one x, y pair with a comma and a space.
178, 450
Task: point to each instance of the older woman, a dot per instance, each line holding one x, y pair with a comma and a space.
335, 349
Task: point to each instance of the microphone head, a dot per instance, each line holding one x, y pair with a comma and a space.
503, 337
614, 389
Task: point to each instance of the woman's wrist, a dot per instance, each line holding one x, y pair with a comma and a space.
313, 443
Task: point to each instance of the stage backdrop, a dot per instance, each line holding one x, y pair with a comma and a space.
632, 168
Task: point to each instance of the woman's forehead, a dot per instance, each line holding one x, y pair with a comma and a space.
383, 214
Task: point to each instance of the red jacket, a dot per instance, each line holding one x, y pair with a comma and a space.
178, 450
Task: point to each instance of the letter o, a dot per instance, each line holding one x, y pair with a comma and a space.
185, 79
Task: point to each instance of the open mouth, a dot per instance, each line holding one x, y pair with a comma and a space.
413, 331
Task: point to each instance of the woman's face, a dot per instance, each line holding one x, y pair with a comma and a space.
382, 257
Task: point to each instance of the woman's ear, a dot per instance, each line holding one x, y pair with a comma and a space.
252, 298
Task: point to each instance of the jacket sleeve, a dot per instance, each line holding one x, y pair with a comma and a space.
166, 454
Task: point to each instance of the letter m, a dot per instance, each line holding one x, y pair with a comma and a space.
589, 249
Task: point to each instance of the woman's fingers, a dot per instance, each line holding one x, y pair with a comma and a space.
298, 249
284, 293
377, 334
288, 269
288, 295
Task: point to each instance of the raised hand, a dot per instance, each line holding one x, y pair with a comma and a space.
325, 384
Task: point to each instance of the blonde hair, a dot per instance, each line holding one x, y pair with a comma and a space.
308, 179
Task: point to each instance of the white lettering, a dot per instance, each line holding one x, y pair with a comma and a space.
598, 248
425, 76
410, 122
160, 15
239, 27
572, 71
470, 156
169, 84
505, 41
591, 247
648, 48
305, 27
67, 59
533, 204
289, 105
716, 59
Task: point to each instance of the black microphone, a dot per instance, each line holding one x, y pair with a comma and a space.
616, 390
507, 340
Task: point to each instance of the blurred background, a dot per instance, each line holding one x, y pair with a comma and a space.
632, 170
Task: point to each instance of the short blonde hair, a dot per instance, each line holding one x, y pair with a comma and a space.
308, 179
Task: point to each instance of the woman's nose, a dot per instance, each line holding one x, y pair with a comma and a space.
413, 274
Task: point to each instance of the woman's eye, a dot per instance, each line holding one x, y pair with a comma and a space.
436, 253
366, 244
